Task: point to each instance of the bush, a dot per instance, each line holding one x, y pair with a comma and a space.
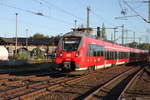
20, 56
40, 57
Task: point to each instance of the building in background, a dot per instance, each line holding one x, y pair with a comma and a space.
33, 48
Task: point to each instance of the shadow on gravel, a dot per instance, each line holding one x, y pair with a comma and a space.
29, 69
147, 72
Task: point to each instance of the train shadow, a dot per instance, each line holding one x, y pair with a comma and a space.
39, 69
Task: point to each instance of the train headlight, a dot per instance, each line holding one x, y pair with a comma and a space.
77, 53
60, 54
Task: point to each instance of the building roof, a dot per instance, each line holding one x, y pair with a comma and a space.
22, 41
5, 41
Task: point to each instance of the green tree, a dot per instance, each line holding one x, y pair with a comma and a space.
39, 35
144, 46
133, 44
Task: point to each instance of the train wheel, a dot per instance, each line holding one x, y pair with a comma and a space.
93, 68
112, 65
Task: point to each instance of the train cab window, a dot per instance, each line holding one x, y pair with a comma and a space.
71, 43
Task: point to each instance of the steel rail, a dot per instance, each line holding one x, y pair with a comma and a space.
38, 92
129, 84
89, 97
26, 87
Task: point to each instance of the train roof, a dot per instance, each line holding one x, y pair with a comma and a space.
108, 45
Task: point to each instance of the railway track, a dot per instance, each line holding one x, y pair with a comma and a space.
138, 87
28, 84
26, 87
37, 87
78, 90
115, 89
31, 87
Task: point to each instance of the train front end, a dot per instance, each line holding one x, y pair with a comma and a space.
69, 52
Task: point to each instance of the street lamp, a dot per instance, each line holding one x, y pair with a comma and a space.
16, 42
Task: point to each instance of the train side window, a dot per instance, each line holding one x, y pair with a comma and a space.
89, 51
99, 53
113, 55
110, 55
100, 49
119, 55
122, 55
126, 54
107, 55
94, 53
102, 53
95, 50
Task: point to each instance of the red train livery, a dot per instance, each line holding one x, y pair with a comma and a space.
81, 51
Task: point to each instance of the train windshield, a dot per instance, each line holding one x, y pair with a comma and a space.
71, 43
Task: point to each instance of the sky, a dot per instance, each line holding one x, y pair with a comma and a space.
59, 17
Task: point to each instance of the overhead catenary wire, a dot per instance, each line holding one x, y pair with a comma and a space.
125, 2
139, 1
48, 4
37, 13
93, 12
6, 5
37, 1
119, 1
98, 16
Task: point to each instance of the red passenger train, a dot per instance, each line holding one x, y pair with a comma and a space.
80, 51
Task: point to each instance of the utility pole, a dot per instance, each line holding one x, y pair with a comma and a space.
111, 36
16, 42
98, 33
88, 17
27, 38
114, 28
139, 41
149, 11
134, 36
122, 34
75, 23
115, 34
126, 37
